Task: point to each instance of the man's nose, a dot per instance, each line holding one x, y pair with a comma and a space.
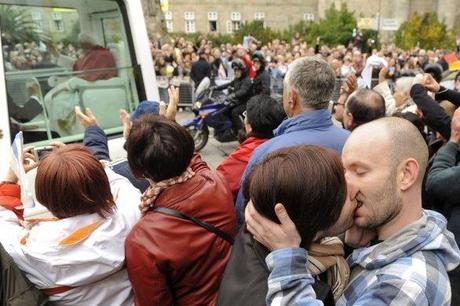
352, 190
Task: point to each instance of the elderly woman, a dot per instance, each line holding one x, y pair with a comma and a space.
176, 254
311, 185
76, 257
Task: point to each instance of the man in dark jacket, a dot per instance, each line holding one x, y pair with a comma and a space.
442, 184
200, 69
242, 92
261, 82
433, 115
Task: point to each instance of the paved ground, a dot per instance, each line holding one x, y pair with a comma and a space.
214, 152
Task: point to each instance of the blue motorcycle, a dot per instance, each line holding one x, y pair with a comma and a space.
211, 110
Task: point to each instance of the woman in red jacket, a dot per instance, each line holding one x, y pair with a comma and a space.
177, 253
263, 115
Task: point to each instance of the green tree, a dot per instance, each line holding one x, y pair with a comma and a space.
17, 26
424, 31
301, 27
335, 28
257, 30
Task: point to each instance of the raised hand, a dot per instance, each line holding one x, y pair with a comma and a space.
272, 235
86, 119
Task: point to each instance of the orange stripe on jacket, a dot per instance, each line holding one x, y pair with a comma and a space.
80, 234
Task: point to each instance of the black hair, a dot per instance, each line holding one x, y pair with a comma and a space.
158, 148
264, 115
366, 105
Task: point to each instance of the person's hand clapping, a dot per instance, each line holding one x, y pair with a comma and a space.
171, 111
127, 124
87, 119
430, 83
272, 235
455, 128
349, 85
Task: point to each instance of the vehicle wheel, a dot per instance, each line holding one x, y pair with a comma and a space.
200, 137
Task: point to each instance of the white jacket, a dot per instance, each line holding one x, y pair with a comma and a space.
85, 252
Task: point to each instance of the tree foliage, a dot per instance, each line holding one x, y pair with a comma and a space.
424, 31
256, 29
335, 28
17, 26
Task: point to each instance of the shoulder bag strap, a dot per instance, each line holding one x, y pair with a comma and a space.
167, 211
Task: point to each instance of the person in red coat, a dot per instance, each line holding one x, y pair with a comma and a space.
171, 259
243, 54
94, 57
263, 115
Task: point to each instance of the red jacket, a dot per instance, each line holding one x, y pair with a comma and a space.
247, 61
97, 58
10, 198
233, 166
172, 261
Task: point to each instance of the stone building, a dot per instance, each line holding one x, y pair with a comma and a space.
225, 16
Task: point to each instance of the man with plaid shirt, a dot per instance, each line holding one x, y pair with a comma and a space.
405, 251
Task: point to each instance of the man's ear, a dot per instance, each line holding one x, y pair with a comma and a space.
348, 120
293, 99
409, 174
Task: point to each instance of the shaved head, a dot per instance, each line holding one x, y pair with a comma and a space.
400, 140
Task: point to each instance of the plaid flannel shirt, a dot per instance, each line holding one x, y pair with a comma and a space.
405, 277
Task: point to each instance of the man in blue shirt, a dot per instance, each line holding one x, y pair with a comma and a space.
308, 87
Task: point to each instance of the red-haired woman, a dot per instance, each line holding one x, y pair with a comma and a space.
76, 257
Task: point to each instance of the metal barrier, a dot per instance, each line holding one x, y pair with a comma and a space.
187, 89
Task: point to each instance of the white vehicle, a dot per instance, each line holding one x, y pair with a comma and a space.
58, 54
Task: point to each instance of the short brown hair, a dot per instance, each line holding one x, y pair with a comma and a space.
159, 148
308, 180
70, 181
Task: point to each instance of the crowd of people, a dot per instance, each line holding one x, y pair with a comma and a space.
175, 57
354, 203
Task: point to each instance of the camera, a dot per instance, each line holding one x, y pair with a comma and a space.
41, 151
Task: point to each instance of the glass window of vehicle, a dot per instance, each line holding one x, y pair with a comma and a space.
58, 54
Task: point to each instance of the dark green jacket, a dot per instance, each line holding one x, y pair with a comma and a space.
16, 289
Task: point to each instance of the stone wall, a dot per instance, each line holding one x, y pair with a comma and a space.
280, 14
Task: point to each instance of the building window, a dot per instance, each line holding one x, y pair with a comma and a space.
212, 26
229, 27
235, 16
309, 17
169, 21
212, 16
58, 22
189, 15
37, 21
189, 22
169, 26
236, 21
190, 26
212, 21
259, 15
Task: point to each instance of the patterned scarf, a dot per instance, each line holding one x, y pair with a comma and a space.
151, 194
327, 256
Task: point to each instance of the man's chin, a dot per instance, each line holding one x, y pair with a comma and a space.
360, 222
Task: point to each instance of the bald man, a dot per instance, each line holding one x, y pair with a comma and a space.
363, 106
402, 252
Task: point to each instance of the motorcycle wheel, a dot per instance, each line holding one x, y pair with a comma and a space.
200, 137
